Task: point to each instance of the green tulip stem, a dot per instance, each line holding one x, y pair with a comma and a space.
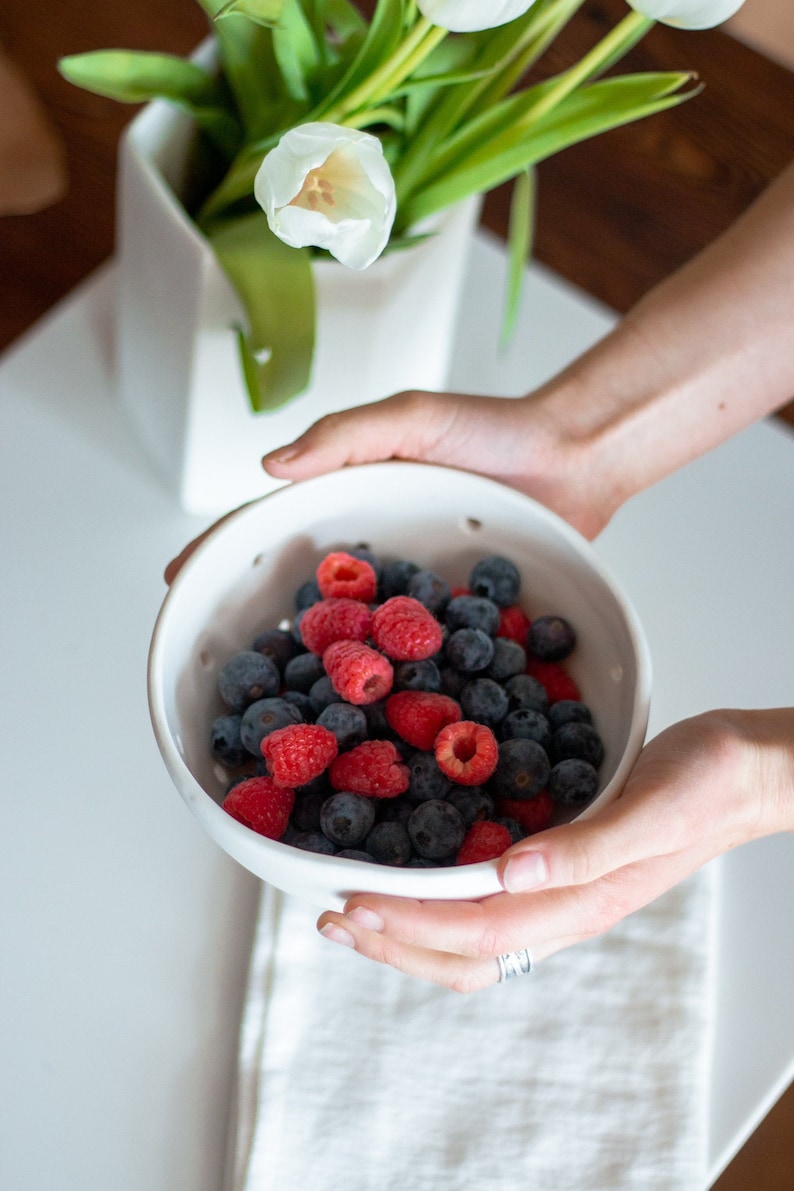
420, 41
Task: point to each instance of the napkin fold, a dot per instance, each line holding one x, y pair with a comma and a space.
591, 1074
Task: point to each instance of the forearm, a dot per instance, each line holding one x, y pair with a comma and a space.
702, 356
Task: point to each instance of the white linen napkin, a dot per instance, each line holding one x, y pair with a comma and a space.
588, 1075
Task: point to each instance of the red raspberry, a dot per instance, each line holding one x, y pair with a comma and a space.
261, 805
298, 753
419, 716
456, 591
484, 841
340, 574
358, 673
372, 768
532, 813
406, 630
335, 619
467, 752
513, 624
555, 678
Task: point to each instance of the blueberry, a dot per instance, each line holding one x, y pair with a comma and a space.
225, 743
485, 701
551, 638
496, 579
297, 635
437, 829
517, 832
569, 711
394, 810
348, 723
322, 694
301, 672
278, 645
306, 811
509, 659
356, 854
526, 724
347, 819
396, 577
417, 676
526, 691
453, 681
426, 780
312, 841
363, 552
472, 612
264, 717
388, 843
579, 740
522, 770
573, 782
472, 802
246, 677
469, 649
307, 594
431, 590
303, 703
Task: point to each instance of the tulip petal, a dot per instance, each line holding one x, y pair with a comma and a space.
468, 16
687, 14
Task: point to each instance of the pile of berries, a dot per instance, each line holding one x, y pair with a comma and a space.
400, 721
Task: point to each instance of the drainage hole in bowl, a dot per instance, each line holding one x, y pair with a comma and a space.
472, 525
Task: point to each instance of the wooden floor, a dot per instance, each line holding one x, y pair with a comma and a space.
616, 214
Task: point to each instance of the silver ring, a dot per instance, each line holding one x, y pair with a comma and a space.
515, 963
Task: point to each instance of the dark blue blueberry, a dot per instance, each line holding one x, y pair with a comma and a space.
573, 782
277, 644
431, 590
453, 681
312, 841
388, 843
425, 779
246, 677
497, 579
472, 802
472, 612
485, 701
526, 691
322, 694
469, 649
297, 636
517, 832
394, 810
348, 723
379, 726
569, 711
235, 781
347, 819
526, 724
578, 739
364, 553
417, 676
225, 743
356, 854
509, 659
306, 811
301, 672
264, 717
396, 577
307, 594
551, 638
303, 703
436, 829
522, 770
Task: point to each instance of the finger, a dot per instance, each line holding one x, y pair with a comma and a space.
405, 426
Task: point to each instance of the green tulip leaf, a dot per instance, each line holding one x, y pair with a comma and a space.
275, 285
520, 234
261, 12
136, 76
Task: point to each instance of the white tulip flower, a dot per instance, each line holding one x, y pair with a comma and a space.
331, 187
468, 16
688, 14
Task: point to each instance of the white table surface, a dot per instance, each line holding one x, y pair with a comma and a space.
125, 932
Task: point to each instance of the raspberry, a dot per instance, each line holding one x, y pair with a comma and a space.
484, 841
405, 630
298, 753
359, 673
335, 619
467, 752
419, 716
372, 768
262, 805
513, 624
555, 678
532, 813
340, 574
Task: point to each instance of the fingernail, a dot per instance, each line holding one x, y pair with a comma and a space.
338, 934
525, 871
366, 918
281, 456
